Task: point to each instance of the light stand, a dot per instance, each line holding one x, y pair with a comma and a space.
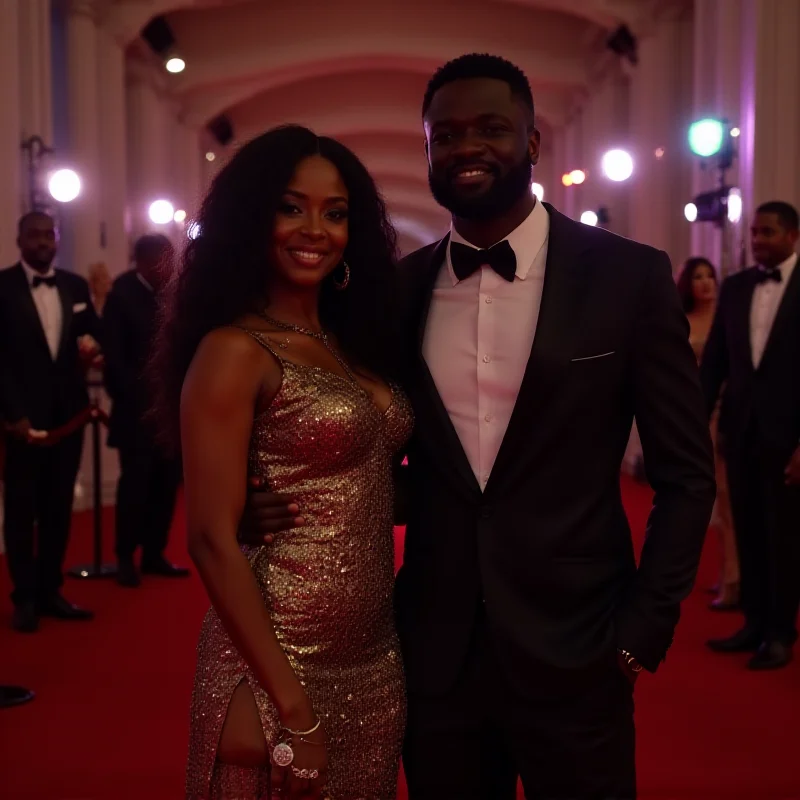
35, 149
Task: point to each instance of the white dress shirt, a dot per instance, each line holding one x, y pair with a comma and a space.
767, 298
48, 305
478, 339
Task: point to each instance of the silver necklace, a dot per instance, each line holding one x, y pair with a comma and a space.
321, 336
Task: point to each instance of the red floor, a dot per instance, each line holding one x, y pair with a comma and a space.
110, 718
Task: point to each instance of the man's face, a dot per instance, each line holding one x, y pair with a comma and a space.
157, 268
770, 242
481, 144
37, 242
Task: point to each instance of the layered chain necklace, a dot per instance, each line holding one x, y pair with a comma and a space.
321, 336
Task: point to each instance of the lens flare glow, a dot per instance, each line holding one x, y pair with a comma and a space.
179, 215
690, 212
161, 212
538, 191
705, 137
734, 206
64, 185
589, 218
617, 165
175, 65
578, 176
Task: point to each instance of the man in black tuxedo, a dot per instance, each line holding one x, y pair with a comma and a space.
149, 480
529, 344
753, 350
48, 334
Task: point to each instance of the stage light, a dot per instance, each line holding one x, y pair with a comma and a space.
161, 212
566, 179
589, 218
210, 156
617, 165
734, 205
706, 137
659, 152
736, 133
690, 212
179, 215
64, 185
193, 229
578, 176
175, 65
538, 191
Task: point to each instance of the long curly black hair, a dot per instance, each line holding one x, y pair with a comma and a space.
225, 268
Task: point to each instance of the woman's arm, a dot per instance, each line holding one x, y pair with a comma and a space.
220, 393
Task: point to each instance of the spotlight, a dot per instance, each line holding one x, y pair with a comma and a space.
64, 185
566, 179
617, 165
659, 152
210, 156
736, 133
706, 137
193, 229
175, 65
578, 176
589, 218
734, 205
179, 215
538, 191
161, 212
690, 212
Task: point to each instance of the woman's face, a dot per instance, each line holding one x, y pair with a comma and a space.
704, 287
311, 230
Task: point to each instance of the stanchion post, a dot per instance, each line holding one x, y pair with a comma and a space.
97, 569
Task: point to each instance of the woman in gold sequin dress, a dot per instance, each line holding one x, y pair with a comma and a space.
275, 358
697, 286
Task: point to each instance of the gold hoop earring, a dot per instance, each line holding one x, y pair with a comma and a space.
343, 284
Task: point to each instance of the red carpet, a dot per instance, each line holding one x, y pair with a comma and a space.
110, 718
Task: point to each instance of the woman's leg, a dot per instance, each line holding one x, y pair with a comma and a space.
242, 769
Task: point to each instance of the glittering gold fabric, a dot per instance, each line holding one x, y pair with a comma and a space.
327, 585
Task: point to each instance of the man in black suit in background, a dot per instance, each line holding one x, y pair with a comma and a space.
149, 480
530, 343
48, 335
753, 350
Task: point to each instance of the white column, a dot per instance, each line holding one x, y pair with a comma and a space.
84, 213
149, 148
10, 132
36, 102
771, 34
660, 103
113, 154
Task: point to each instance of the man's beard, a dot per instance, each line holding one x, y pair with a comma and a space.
501, 196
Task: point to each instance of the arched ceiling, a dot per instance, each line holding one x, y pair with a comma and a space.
357, 69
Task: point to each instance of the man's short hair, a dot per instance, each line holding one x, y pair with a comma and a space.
150, 247
31, 215
480, 65
786, 213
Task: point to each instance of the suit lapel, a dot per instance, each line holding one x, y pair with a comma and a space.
742, 321
66, 298
787, 310
28, 309
429, 408
564, 297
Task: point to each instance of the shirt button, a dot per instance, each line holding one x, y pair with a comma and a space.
487, 359
489, 299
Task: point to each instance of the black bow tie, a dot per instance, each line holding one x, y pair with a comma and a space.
38, 280
764, 275
467, 260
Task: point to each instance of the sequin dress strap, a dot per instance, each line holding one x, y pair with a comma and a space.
264, 342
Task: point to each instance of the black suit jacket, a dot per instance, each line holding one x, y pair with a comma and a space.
547, 545
49, 392
767, 398
129, 321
